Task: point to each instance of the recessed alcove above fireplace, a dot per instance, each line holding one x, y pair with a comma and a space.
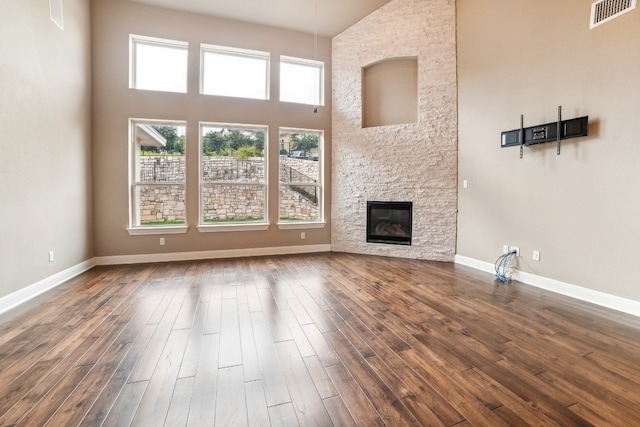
389, 222
390, 92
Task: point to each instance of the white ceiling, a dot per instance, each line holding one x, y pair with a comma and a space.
333, 16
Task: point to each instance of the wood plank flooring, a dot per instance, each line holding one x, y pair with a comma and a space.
314, 340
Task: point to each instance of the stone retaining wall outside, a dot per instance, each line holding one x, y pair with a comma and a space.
166, 202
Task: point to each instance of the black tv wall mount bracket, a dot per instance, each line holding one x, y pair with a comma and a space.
549, 132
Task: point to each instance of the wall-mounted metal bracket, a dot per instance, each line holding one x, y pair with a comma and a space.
556, 131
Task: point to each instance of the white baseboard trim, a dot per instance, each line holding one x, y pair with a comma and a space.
25, 294
578, 292
227, 253
487, 267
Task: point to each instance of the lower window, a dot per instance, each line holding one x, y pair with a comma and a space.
233, 189
158, 170
300, 176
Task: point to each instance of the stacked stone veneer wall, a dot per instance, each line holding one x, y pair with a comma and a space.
414, 162
166, 203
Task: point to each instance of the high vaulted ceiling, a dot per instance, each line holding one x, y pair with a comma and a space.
333, 16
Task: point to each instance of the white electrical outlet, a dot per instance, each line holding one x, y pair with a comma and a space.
505, 249
51, 256
536, 255
303, 235
162, 241
515, 248
465, 184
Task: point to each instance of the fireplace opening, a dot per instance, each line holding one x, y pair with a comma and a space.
389, 222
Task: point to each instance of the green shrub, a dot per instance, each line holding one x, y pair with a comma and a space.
245, 152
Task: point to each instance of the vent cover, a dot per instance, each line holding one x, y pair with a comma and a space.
55, 12
605, 10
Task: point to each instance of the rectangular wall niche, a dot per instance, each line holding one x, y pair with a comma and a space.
390, 92
389, 222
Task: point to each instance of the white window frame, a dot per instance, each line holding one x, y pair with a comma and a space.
233, 226
135, 228
320, 184
239, 53
135, 40
318, 85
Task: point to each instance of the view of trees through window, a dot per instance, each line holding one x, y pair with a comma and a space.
242, 144
175, 143
232, 174
305, 144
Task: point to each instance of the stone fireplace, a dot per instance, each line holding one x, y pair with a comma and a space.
415, 161
389, 222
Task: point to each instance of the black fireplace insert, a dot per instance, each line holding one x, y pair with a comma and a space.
389, 222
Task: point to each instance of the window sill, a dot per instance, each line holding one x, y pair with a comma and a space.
232, 227
299, 225
146, 231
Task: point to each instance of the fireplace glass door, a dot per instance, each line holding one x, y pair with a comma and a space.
389, 222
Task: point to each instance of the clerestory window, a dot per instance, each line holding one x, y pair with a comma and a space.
234, 72
301, 81
157, 64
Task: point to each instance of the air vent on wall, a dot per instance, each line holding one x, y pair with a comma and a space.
55, 12
605, 10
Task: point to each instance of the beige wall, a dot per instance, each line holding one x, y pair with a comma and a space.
410, 162
112, 22
45, 174
579, 209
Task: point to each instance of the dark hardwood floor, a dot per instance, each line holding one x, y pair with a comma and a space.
321, 340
